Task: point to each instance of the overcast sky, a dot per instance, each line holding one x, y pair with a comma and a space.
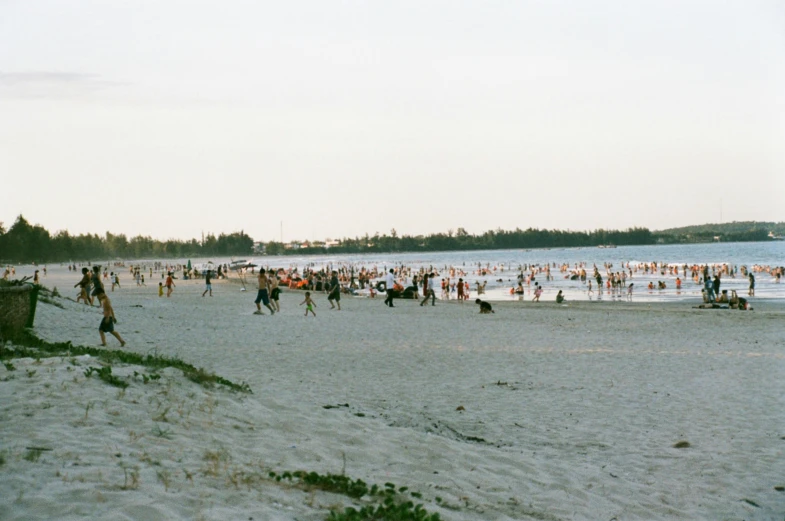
169, 118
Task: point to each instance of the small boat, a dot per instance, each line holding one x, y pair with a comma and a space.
776, 237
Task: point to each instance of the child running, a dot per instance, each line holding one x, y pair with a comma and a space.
309, 304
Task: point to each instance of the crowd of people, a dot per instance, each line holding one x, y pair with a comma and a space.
424, 284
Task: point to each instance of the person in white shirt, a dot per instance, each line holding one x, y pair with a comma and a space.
389, 282
431, 291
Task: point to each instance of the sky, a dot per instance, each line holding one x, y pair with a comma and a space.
326, 119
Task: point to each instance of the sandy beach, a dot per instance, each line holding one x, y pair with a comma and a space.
538, 411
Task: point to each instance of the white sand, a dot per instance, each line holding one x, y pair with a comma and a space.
570, 412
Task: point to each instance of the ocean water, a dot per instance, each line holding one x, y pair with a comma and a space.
507, 263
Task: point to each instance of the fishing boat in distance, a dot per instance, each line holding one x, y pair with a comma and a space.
776, 237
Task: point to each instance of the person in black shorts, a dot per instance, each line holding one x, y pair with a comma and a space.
275, 291
262, 296
108, 321
335, 291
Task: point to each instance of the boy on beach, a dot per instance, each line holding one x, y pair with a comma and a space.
275, 292
84, 284
108, 321
208, 287
309, 304
169, 284
97, 284
485, 307
262, 296
160, 289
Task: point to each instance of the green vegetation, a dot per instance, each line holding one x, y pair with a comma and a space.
744, 231
27, 345
25, 242
462, 240
383, 503
105, 374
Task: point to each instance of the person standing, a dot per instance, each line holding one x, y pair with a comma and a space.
275, 291
208, 286
335, 291
708, 288
170, 285
389, 282
262, 295
751, 291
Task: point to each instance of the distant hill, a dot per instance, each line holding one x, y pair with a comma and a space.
732, 227
737, 231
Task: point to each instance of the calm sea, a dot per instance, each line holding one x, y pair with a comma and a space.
734, 254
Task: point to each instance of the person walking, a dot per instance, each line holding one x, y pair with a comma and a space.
389, 282
208, 287
429, 283
262, 296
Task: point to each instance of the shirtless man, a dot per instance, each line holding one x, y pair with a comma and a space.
108, 321
83, 285
262, 296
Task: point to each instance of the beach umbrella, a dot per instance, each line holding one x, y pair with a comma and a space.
189, 264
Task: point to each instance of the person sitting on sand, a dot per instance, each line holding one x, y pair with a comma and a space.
559, 297
723, 298
108, 321
485, 307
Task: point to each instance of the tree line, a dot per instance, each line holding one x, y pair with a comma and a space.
462, 240
24, 242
